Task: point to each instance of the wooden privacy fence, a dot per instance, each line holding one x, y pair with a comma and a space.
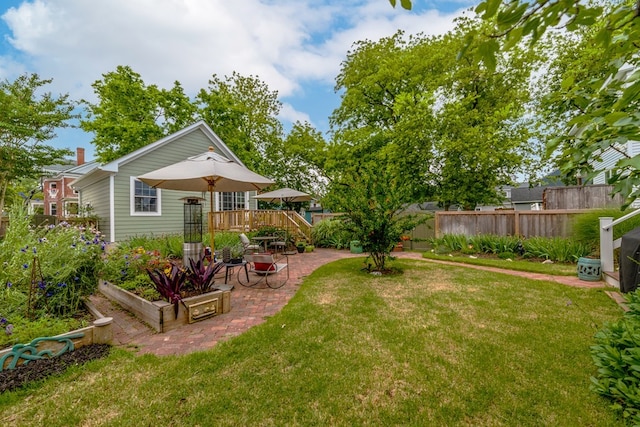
581, 197
551, 223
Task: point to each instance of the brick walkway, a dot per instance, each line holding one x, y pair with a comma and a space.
250, 307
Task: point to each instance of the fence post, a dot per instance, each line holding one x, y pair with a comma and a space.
606, 243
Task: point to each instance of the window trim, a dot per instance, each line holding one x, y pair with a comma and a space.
132, 200
53, 205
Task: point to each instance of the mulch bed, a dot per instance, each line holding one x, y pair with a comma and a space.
11, 379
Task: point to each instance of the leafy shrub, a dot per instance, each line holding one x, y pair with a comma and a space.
331, 232
506, 255
556, 249
123, 263
586, 226
227, 238
56, 264
494, 244
617, 356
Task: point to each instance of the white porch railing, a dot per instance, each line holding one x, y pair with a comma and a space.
608, 245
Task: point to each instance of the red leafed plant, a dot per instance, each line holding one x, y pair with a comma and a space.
201, 276
169, 284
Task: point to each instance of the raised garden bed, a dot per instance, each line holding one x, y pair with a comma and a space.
52, 347
160, 315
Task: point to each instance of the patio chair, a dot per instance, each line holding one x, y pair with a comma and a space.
247, 246
267, 268
278, 246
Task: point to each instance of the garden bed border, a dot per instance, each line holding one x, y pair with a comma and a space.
160, 315
101, 332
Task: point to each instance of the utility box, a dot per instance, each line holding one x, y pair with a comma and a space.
356, 247
630, 261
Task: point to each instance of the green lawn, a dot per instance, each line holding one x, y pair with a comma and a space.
556, 269
438, 345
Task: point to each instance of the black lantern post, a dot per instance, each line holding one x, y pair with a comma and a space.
192, 247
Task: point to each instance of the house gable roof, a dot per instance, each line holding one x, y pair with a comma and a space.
101, 171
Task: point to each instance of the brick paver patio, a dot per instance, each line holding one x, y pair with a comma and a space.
250, 307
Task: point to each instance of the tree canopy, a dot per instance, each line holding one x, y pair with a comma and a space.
600, 101
130, 114
28, 118
453, 130
242, 110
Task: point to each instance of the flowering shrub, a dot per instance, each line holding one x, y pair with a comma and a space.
45, 270
127, 267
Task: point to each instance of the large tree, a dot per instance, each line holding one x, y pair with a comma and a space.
29, 118
299, 162
130, 114
243, 112
452, 130
607, 101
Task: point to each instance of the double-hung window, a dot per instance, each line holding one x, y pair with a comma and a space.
232, 201
145, 200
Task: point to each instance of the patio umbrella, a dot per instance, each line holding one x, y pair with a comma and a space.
284, 195
207, 172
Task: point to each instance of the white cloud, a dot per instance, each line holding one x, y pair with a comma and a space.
291, 115
287, 44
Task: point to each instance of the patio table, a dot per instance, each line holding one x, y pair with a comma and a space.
264, 239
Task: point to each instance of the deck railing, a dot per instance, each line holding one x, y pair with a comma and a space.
251, 220
608, 245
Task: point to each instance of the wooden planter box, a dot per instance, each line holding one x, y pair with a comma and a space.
160, 315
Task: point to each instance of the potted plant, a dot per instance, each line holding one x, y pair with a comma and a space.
300, 247
237, 253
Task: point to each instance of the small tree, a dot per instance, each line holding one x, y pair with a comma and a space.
28, 118
372, 200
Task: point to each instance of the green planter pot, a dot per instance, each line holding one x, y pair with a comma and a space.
356, 247
589, 269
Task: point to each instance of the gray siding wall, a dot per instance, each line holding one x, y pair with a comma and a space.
97, 194
171, 220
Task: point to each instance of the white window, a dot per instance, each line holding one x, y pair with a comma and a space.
232, 201
53, 185
145, 200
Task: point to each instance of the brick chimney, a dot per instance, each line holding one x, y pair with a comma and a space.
79, 156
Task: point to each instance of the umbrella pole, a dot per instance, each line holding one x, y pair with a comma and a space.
212, 231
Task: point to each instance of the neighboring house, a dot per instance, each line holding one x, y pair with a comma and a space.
127, 207
60, 200
522, 198
610, 157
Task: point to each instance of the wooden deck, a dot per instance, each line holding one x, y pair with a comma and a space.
252, 220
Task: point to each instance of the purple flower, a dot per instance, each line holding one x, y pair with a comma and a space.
34, 250
9, 329
41, 285
25, 266
62, 285
3, 320
9, 284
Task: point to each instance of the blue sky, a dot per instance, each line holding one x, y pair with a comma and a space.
295, 46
